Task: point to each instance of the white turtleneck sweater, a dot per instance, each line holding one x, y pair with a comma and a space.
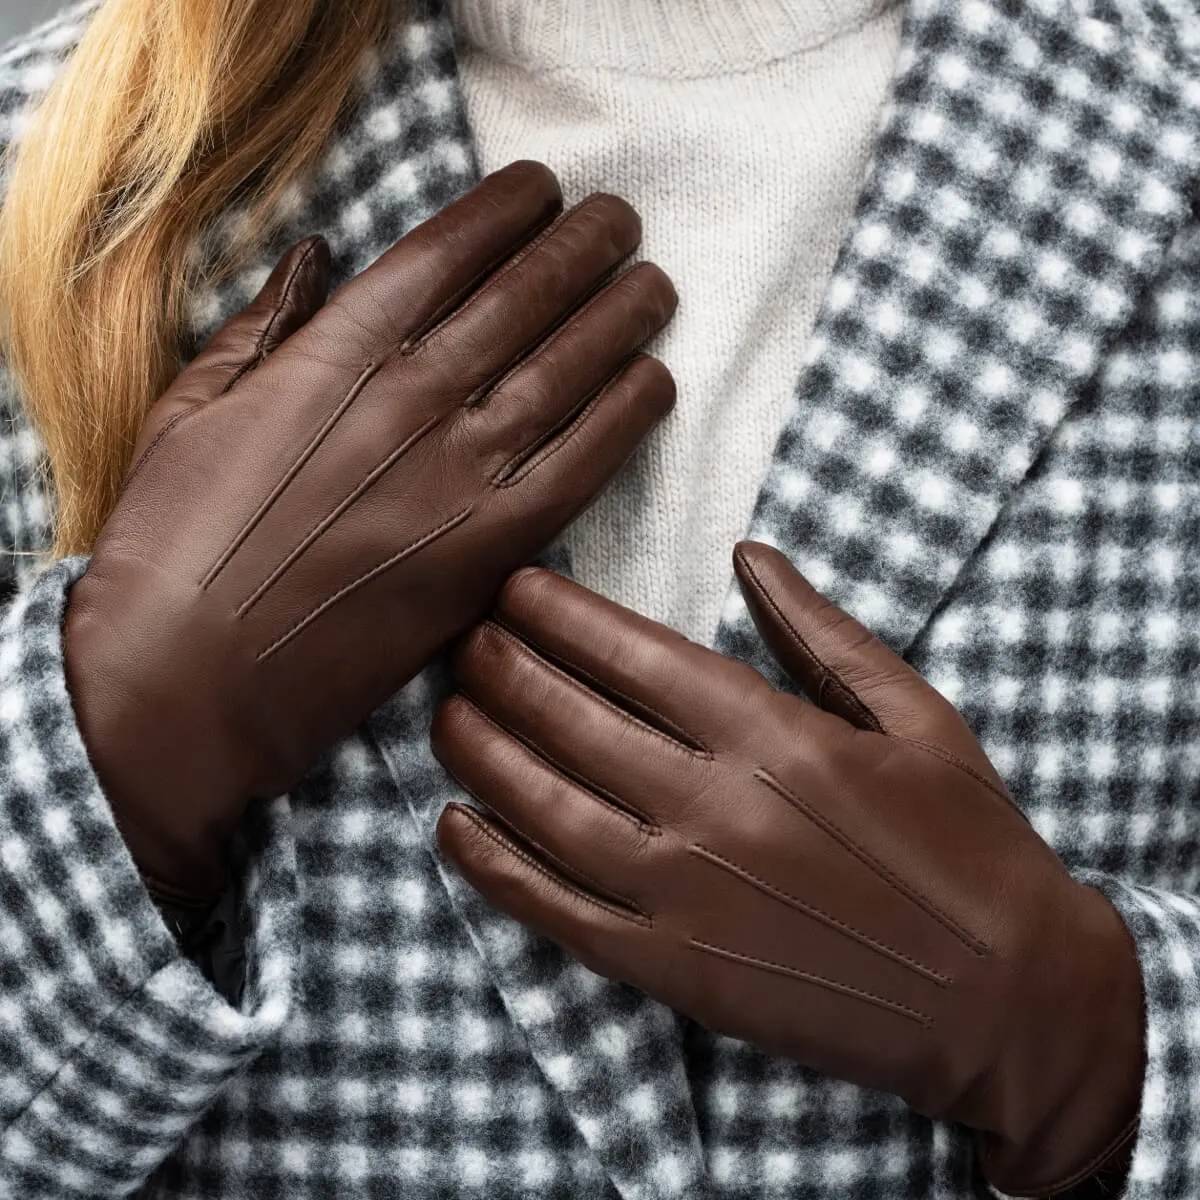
741, 131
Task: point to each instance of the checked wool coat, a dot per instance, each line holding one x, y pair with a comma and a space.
993, 459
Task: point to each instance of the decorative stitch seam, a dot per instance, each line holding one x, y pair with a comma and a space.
557, 860
314, 444
323, 524
574, 422
914, 1014
604, 700
552, 656
703, 851
953, 760
643, 823
827, 675
411, 346
867, 859
158, 437
266, 331
488, 830
364, 578
451, 307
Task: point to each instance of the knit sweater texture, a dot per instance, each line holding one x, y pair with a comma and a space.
741, 132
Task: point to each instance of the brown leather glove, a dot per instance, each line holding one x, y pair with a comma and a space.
299, 533
848, 885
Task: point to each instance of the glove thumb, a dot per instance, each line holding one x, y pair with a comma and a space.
845, 668
295, 291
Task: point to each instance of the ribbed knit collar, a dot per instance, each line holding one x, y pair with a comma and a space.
675, 38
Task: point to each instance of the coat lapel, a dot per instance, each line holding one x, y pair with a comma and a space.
1032, 167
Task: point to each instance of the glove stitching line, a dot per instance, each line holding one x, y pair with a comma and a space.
488, 830
702, 851
323, 523
450, 308
555, 657
1093, 1167
643, 823
599, 697
952, 759
424, 540
158, 437
914, 1014
977, 947
828, 677
414, 344
244, 369
288, 287
557, 860
356, 389
607, 285
535, 457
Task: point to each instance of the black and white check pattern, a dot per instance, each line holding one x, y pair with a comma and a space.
994, 460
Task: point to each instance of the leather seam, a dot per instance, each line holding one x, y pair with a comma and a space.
414, 343
528, 459
146, 454
488, 830
572, 323
822, 916
827, 675
628, 812
323, 524
554, 657
974, 945
288, 287
578, 686
318, 439
555, 859
1093, 1167
243, 370
953, 760
914, 1014
379, 568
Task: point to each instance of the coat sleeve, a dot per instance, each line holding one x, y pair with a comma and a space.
112, 1044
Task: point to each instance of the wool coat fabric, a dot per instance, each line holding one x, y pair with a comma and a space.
993, 459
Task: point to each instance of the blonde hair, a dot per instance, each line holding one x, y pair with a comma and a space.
166, 112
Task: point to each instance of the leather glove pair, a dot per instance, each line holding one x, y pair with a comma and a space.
846, 883
332, 490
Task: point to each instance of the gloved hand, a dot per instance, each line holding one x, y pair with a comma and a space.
846, 883
306, 521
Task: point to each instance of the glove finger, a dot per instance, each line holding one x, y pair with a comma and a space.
637, 765
433, 269
645, 668
602, 935
560, 476
531, 295
544, 389
579, 832
844, 667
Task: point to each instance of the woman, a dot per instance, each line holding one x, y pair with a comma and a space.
988, 458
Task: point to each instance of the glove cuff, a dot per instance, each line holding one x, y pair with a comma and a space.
1071, 1085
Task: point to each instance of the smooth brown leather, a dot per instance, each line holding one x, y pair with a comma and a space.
332, 490
846, 883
